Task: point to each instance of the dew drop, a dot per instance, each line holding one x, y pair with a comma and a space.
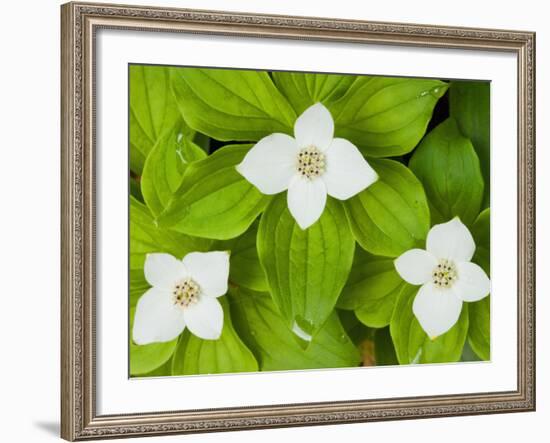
437, 92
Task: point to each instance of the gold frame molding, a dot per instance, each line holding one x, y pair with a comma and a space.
79, 22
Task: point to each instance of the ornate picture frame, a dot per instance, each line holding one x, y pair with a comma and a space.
80, 23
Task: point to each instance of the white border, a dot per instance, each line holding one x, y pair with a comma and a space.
116, 394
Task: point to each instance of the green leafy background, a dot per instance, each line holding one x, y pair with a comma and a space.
427, 139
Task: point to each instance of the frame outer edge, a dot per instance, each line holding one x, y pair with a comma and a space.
68, 400
533, 132
530, 223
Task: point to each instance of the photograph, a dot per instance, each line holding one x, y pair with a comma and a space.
284, 220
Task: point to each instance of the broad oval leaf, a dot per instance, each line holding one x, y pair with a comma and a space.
372, 289
275, 346
303, 89
479, 334
245, 269
470, 106
231, 104
194, 355
391, 216
164, 168
448, 167
146, 237
481, 231
146, 358
412, 344
153, 111
213, 199
386, 116
305, 269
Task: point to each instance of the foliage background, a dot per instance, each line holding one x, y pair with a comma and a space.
188, 129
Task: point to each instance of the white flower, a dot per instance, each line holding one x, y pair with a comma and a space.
310, 166
183, 294
446, 274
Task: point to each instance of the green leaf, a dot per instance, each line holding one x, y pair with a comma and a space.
448, 347
479, 334
230, 104
448, 167
146, 358
386, 116
481, 231
383, 348
372, 289
470, 105
146, 237
245, 269
406, 334
214, 200
153, 111
391, 216
303, 90
468, 354
305, 269
227, 354
161, 371
275, 346
412, 344
164, 168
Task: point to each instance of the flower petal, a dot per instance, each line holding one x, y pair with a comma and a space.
163, 270
314, 127
306, 200
415, 266
210, 270
205, 318
451, 240
271, 163
157, 319
437, 310
472, 283
347, 172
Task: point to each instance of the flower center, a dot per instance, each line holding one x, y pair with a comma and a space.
186, 292
311, 162
444, 274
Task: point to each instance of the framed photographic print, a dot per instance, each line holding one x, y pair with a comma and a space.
283, 221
